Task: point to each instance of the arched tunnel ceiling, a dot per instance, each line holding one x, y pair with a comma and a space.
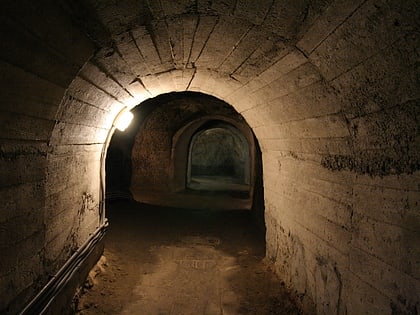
151, 47
216, 47
294, 70
217, 35
330, 90
301, 73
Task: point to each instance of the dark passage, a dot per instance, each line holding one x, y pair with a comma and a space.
176, 261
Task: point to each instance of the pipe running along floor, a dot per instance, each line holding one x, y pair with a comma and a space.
160, 261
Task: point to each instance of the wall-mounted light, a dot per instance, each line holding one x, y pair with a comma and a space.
123, 119
121, 122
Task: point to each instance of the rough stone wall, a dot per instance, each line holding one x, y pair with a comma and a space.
151, 154
330, 89
153, 149
219, 152
34, 75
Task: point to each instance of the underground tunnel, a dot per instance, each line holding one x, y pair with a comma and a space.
191, 239
183, 144
322, 94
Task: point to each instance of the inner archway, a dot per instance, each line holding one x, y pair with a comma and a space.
329, 88
161, 154
185, 251
219, 158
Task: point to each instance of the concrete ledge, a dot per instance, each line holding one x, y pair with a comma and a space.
200, 200
112, 195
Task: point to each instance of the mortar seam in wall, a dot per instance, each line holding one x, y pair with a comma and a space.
35, 74
16, 185
306, 159
338, 26
80, 144
287, 155
336, 224
267, 103
69, 94
140, 53
207, 39
301, 51
31, 236
303, 138
140, 81
319, 138
85, 78
18, 141
270, 102
368, 284
54, 157
192, 78
268, 11
235, 46
284, 74
242, 63
378, 52
388, 187
194, 35
287, 73
385, 263
383, 109
171, 49
285, 150
391, 224
79, 124
258, 75
235, 7
26, 115
161, 8
152, 34
326, 197
102, 68
303, 153
298, 120
328, 243
338, 182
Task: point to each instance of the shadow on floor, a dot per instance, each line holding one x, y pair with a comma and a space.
177, 261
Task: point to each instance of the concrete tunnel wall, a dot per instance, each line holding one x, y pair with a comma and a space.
330, 89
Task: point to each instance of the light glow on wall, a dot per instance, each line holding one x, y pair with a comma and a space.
123, 119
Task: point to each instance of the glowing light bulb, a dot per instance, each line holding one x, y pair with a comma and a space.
123, 119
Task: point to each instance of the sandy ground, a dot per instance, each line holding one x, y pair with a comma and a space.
161, 261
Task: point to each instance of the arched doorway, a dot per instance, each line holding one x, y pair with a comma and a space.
219, 158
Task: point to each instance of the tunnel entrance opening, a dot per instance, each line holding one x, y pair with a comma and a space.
219, 159
183, 158
167, 157
187, 150
173, 260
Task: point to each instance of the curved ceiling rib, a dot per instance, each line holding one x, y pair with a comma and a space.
238, 51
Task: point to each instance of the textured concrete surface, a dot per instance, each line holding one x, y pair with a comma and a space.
160, 142
329, 88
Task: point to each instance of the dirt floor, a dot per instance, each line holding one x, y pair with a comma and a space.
160, 261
